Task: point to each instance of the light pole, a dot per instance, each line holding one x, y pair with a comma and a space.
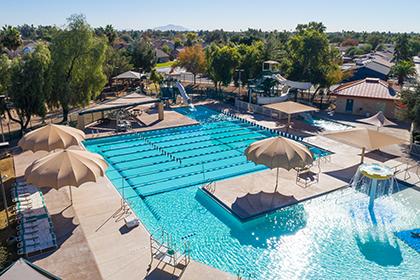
4, 196
239, 71
2, 130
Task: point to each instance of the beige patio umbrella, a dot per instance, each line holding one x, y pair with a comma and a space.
51, 137
364, 138
279, 152
66, 168
378, 120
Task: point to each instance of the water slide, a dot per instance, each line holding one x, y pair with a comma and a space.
185, 97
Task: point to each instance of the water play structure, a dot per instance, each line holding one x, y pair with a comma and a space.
171, 88
181, 89
374, 180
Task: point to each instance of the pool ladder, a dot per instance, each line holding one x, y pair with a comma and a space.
164, 249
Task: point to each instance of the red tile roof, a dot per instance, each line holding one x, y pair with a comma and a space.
367, 88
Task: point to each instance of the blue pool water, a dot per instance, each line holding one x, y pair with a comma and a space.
331, 237
325, 124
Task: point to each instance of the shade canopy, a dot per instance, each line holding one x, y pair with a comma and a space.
51, 137
66, 168
23, 269
378, 120
279, 152
364, 138
128, 75
290, 107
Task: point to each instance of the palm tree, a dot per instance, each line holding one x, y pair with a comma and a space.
403, 69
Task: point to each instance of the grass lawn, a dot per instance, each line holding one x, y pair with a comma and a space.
165, 64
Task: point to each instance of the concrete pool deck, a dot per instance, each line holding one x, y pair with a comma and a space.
94, 242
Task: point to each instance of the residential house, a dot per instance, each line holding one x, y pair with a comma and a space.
366, 97
370, 68
162, 56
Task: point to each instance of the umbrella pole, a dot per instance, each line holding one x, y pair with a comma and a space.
277, 180
289, 119
363, 155
71, 196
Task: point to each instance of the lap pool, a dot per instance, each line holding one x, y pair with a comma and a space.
330, 237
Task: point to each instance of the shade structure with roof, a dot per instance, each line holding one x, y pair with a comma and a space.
51, 137
364, 138
66, 168
23, 269
290, 108
128, 75
378, 120
126, 102
279, 152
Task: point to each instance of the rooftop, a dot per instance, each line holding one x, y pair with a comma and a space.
368, 88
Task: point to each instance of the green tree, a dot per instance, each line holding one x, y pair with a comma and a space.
374, 40
317, 26
410, 99
221, 63
116, 62
5, 73
193, 59
156, 78
28, 31
29, 85
251, 60
415, 45
274, 49
310, 57
191, 39
143, 55
108, 31
177, 43
402, 48
10, 38
77, 65
403, 69
166, 49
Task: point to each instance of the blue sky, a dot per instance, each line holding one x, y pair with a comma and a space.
359, 15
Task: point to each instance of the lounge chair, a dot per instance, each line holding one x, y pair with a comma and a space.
305, 176
38, 224
40, 247
28, 212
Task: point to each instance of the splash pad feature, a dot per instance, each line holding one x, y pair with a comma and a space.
374, 180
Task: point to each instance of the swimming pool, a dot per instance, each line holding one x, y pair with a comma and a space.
162, 160
330, 237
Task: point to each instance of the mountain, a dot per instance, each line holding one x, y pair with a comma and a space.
171, 27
